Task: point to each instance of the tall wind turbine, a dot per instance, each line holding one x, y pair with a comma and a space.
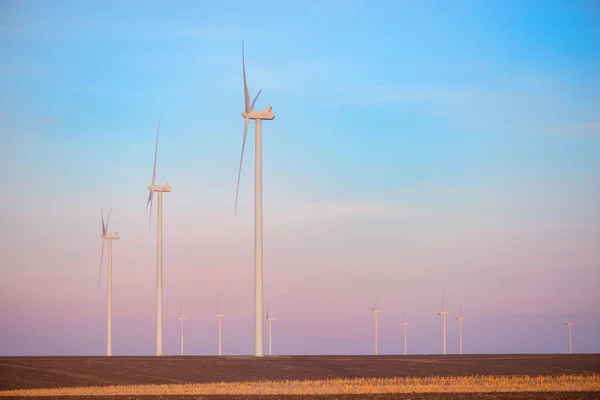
375, 312
219, 320
460, 319
181, 321
159, 253
404, 324
443, 314
270, 322
110, 237
257, 116
570, 325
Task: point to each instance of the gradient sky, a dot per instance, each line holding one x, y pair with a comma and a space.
417, 146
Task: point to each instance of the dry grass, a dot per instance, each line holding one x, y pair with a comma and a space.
469, 384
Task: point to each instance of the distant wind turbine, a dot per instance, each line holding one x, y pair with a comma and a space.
159, 253
570, 325
460, 319
270, 322
181, 322
443, 314
110, 237
404, 324
375, 312
257, 116
219, 320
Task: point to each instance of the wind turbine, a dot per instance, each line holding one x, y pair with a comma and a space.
257, 116
443, 314
404, 324
220, 320
181, 321
159, 253
270, 322
460, 319
570, 325
375, 312
110, 237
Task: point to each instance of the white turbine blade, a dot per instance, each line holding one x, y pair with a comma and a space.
101, 258
155, 153
256, 98
103, 226
149, 203
108, 219
180, 309
237, 190
217, 305
246, 95
460, 311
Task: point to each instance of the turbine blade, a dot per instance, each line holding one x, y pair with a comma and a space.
237, 190
149, 203
217, 305
254, 101
180, 309
246, 95
101, 257
404, 319
103, 226
108, 219
460, 311
155, 152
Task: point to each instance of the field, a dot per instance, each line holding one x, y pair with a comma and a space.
428, 377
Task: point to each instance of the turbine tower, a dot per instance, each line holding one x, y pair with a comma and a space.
159, 253
443, 314
257, 116
404, 324
181, 321
270, 322
219, 320
460, 319
375, 312
570, 325
110, 237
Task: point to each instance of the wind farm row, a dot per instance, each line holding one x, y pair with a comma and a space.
248, 114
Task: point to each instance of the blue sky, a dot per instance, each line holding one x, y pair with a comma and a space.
416, 144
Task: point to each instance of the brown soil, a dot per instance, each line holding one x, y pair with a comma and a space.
420, 396
49, 372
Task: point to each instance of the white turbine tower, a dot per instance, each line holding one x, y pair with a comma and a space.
181, 320
257, 116
270, 322
404, 324
443, 314
110, 237
460, 319
570, 325
219, 321
159, 253
375, 312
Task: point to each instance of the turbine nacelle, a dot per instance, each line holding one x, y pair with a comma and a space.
265, 114
110, 235
220, 315
160, 188
443, 313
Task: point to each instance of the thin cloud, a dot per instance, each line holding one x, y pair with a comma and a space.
49, 120
586, 128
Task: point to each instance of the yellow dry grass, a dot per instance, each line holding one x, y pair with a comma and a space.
468, 384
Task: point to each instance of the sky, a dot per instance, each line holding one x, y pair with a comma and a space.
417, 147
